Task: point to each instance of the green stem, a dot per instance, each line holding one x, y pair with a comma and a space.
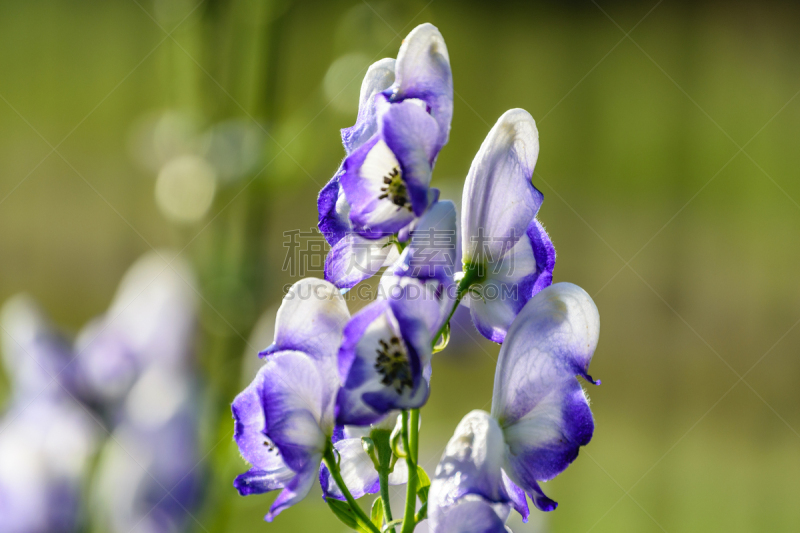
333, 467
383, 476
411, 444
381, 439
471, 276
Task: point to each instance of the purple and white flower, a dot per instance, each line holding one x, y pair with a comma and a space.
284, 420
383, 184
36, 357
502, 242
150, 320
540, 413
283, 425
45, 450
334, 211
148, 476
385, 354
468, 493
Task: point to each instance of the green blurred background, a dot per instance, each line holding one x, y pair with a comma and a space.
668, 162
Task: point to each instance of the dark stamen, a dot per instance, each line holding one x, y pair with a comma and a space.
392, 364
395, 189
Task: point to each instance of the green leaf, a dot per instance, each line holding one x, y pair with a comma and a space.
377, 513
423, 484
344, 513
422, 514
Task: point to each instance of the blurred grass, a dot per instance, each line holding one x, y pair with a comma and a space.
639, 159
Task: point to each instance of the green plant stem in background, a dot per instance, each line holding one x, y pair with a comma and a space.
330, 461
410, 442
232, 262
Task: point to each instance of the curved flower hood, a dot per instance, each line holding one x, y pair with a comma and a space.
501, 239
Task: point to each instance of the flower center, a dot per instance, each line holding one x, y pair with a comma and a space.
392, 364
395, 189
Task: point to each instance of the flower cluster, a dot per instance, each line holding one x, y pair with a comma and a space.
338, 397
110, 421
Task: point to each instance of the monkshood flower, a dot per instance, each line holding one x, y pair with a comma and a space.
469, 492
284, 420
283, 426
384, 359
540, 413
504, 247
383, 184
45, 449
148, 477
311, 320
334, 211
36, 357
357, 466
151, 319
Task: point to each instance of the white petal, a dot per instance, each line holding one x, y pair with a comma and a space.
311, 319
379, 164
499, 200
551, 341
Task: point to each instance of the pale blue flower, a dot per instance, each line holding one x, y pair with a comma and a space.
501, 239
540, 414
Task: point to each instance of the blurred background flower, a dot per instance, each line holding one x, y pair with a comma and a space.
668, 165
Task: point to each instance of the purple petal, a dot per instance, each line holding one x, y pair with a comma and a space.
499, 200
354, 259
311, 319
522, 272
294, 395
419, 315
250, 429
426, 301
373, 212
379, 364
517, 497
471, 515
432, 252
537, 400
423, 72
551, 341
380, 76
260, 481
411, 133
353, 332
295, 490
540, 500
334, 211
546, 441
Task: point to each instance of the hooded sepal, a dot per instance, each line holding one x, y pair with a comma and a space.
311, 319
499, 200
